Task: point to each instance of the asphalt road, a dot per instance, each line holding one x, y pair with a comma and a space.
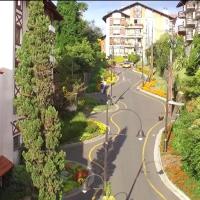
131, 169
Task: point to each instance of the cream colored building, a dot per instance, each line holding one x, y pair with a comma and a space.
190, 16
13, 23
133, 29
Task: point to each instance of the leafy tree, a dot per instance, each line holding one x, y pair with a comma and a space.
82, 54
191, 82
40, 127
70, 30
133, 58
194, 58
161, 51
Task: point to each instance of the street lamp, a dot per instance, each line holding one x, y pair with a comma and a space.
140, 135
85, 186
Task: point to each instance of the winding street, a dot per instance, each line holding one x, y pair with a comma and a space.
131, 168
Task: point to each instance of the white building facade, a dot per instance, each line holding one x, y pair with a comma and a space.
133, 29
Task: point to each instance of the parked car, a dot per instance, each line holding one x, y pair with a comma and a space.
127, 64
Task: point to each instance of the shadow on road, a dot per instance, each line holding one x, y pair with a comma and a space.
113, 150
134, 182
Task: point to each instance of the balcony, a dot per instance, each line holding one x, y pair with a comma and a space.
132, 26
181, 14
189, 37
197, 13
133, 35
198, 28
190, 23
190, 6
181, 30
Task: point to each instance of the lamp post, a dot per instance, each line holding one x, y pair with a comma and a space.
142, 67
140, 135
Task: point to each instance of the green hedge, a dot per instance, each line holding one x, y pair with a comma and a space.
186, 141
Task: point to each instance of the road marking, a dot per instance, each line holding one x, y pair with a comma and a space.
125, 106
143, 149
144, 164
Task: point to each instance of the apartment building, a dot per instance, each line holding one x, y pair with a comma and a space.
13, 23
133, 29
190, 16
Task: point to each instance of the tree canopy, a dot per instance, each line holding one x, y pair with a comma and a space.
40, 127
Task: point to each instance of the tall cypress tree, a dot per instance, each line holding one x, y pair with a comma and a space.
40, 127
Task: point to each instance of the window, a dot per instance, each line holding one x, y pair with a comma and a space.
17, 34
139, 39
16, 142
135, 21
116, 31
116, 22
18, 4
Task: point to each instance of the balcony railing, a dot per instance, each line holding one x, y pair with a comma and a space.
134, 35
181, 14
197, 13
190, 6
134, 26
189, 37
190, 22
198, 29
181, 30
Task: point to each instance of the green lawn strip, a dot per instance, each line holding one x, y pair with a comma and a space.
161, 83
76, 127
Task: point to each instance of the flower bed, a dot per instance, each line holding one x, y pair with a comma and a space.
73, 176
146, 69
150, 87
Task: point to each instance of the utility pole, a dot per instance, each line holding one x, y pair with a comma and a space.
106, 147
151, 73
142, 66
169, 86
112, 63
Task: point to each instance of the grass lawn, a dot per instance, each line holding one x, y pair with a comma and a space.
173, 167
77, 127
160, 84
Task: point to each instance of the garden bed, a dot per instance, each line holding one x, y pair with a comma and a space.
172, 164
73, 176
77, 128
156, 86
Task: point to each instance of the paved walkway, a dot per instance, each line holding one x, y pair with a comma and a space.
131, 168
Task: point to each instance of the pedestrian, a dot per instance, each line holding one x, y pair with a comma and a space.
103, 86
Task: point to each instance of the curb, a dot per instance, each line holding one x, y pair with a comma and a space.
100, 137
109, 110
150, 94
159, 167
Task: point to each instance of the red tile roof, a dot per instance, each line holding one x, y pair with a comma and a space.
5, 165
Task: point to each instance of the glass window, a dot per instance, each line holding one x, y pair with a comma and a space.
16, 142
17, 34
116, 22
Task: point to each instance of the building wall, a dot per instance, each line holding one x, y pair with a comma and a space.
107, 39
149, 20
7, 54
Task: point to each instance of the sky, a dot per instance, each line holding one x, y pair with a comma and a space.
97, 9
